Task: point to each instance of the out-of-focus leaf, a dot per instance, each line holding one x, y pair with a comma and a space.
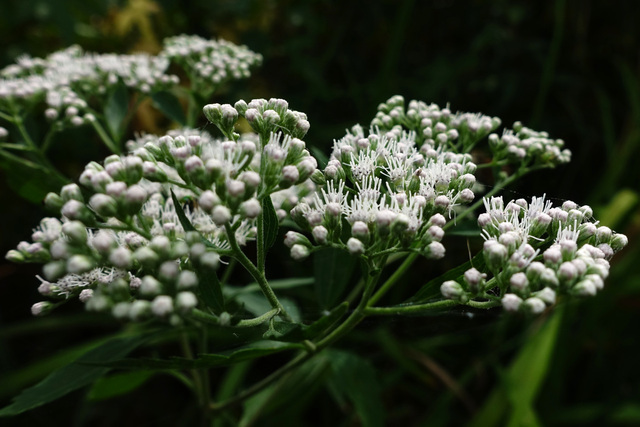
522, 381
291, 393
116, 110
320, 156
354, 378
332, 270
83, 371
248, 352
31, 184
280, 284
118, 384
170, 105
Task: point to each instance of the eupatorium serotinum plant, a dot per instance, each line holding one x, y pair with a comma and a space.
162, 234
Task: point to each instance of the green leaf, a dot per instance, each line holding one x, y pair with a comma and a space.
170, 105
271, 223
277, 284
432, 288
251, 351
184, 221
31, 183
354, 378
118, 384
332, 270
522, 382
289, 396
210, 290
465, 229
320, 156
115, 110
81, 372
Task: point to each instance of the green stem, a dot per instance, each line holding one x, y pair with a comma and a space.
410, 309
105, 137
356, 317
255, 273
393, 279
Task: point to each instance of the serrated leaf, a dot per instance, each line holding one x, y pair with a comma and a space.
271, 223
118, 384
432, 288
115, 110
332, 270
354, 378
81, 372
170, 105
251, 351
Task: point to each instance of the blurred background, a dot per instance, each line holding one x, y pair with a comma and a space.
570, 67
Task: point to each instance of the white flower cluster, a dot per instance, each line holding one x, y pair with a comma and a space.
390, 190
70, 79
122, 245
535, 252
522, 144
434, 126
210, 62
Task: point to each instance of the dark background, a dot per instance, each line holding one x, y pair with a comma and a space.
568, 67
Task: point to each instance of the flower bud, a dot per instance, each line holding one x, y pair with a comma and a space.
547, 295
186, 301
78, 264
53, 202
511, 302
435, 250
146, 257
320, 234
162, 306
495, 255
452, 290
534, 305
618, 241
299, 252
221, 215
75, 231
103, 205
71, 192
41, 308
121, 257
187, 280
250, 208
355, 246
